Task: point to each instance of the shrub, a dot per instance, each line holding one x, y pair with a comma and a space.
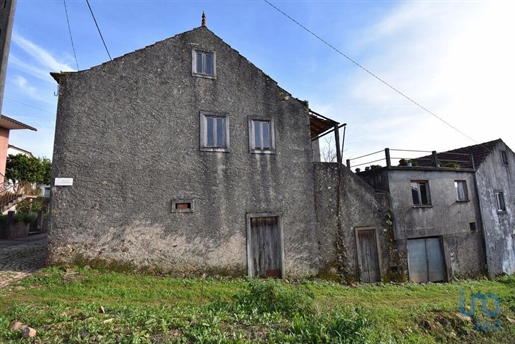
25, 217
29, 206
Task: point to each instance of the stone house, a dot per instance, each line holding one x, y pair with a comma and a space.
184, 157
437, 228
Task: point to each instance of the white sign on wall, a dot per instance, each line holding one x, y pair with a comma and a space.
63, 182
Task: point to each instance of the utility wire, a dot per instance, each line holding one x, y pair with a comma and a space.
99, 32
369, 72
29, 105
70, 32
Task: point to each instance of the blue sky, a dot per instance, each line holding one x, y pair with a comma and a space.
455, 58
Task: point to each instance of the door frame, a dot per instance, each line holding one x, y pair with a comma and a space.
358, 250
250, 261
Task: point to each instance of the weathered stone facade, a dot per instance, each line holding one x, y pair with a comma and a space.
128, 132
360, 208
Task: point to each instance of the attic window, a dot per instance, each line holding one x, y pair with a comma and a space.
204, 64
183, 206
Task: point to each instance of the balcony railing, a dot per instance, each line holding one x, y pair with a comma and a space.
411, 158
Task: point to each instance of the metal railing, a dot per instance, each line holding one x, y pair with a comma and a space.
411, 158
10, 192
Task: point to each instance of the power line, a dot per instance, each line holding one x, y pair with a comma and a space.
29, 105
369, 72
99, 32
70, 32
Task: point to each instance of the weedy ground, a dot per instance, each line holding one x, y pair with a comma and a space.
77, 305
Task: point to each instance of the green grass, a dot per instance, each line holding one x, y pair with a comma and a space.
91, 306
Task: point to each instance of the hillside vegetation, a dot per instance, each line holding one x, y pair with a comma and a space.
92, 306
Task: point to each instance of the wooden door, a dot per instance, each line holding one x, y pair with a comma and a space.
265, 246
368, 256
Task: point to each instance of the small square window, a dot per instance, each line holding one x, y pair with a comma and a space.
461, 190
204, 64
504, 158
261, 136
214, 132
420, 193
499, 201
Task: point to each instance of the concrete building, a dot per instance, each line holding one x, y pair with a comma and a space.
494, 162
436, 219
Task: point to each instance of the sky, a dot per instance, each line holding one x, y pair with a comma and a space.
452, 58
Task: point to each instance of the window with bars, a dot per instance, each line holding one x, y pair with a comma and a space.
461, 190
420, 193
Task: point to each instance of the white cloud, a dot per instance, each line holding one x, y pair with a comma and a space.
453, 58
39, 54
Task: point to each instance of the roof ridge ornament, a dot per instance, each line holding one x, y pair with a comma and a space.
204, 23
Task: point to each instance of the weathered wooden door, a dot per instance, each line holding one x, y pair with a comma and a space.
265, 246
368, 256
426, 260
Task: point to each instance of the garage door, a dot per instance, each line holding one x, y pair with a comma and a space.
426, 260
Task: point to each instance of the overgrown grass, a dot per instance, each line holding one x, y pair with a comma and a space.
91, 306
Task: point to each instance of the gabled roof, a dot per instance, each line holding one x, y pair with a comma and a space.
462, 155
10, 123
479, 152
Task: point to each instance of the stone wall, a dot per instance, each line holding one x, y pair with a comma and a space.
360, 207
127, 132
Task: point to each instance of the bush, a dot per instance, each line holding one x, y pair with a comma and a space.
25, 217
29, 206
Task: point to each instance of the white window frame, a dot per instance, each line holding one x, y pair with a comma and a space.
257, 121
194, 59
204, 145
504, 158
462, 194
500, 202
417, 184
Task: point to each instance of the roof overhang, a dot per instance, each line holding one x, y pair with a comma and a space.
56, 76
320, 125
9, 123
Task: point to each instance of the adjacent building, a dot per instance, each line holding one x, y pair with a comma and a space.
494, 182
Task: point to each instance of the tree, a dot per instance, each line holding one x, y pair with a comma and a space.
24, 168
328, 151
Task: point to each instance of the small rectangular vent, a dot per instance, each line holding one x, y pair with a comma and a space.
183, 206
